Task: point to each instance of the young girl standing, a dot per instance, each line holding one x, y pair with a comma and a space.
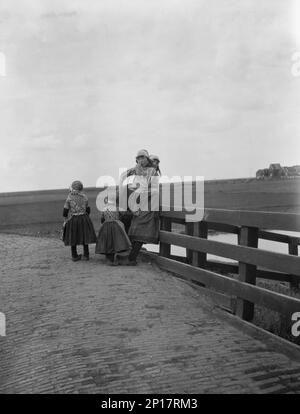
78, 228
112, 238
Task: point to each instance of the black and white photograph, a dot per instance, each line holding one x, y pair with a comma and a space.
149, 199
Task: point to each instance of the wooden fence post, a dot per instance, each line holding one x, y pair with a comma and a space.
200, 230
239, 235
189, 230
166, 225
197, 229
247, 272
293, 249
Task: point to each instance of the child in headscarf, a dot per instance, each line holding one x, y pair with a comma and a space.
155, 162
78, 228
112, 239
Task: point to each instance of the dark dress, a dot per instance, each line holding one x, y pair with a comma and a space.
112, 237
145, 227
78, 229
126, 218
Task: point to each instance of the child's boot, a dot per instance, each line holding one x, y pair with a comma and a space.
86, 253
75, 257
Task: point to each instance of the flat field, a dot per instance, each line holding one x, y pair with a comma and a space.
40, 212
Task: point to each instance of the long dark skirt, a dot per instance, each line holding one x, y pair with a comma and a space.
112, 238
145, 227
126, 218
79, 230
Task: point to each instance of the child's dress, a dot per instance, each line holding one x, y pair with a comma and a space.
112, 237
78, 229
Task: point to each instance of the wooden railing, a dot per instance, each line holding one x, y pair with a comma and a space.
253, 262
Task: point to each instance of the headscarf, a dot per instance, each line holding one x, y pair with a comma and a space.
142, 153
110, 210
154, 157
110, 204
76, 187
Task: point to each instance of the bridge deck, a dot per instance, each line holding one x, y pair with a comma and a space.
90, 328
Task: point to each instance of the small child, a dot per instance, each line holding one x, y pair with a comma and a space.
155, 162
112, 238
78, 227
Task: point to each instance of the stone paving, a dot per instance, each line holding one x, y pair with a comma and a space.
87, 327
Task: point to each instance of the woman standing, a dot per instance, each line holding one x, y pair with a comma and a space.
144, 226
143, 162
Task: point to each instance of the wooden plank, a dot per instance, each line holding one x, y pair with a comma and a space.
263, 258
260, 296
222, 267
293, 250
239, 235
222, 300
234, 269
200, 229
181, 259
224, 228
280, 277
261, 220
267, 235
247, 272
189, 230
165, 248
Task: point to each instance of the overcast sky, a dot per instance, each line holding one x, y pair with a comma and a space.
205, 84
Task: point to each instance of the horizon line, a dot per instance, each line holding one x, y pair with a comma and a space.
11, 193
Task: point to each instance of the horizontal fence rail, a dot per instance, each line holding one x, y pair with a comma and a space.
251, 262
263, 258
261, 220
260, 296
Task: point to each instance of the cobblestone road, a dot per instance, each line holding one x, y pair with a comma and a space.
87, 327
